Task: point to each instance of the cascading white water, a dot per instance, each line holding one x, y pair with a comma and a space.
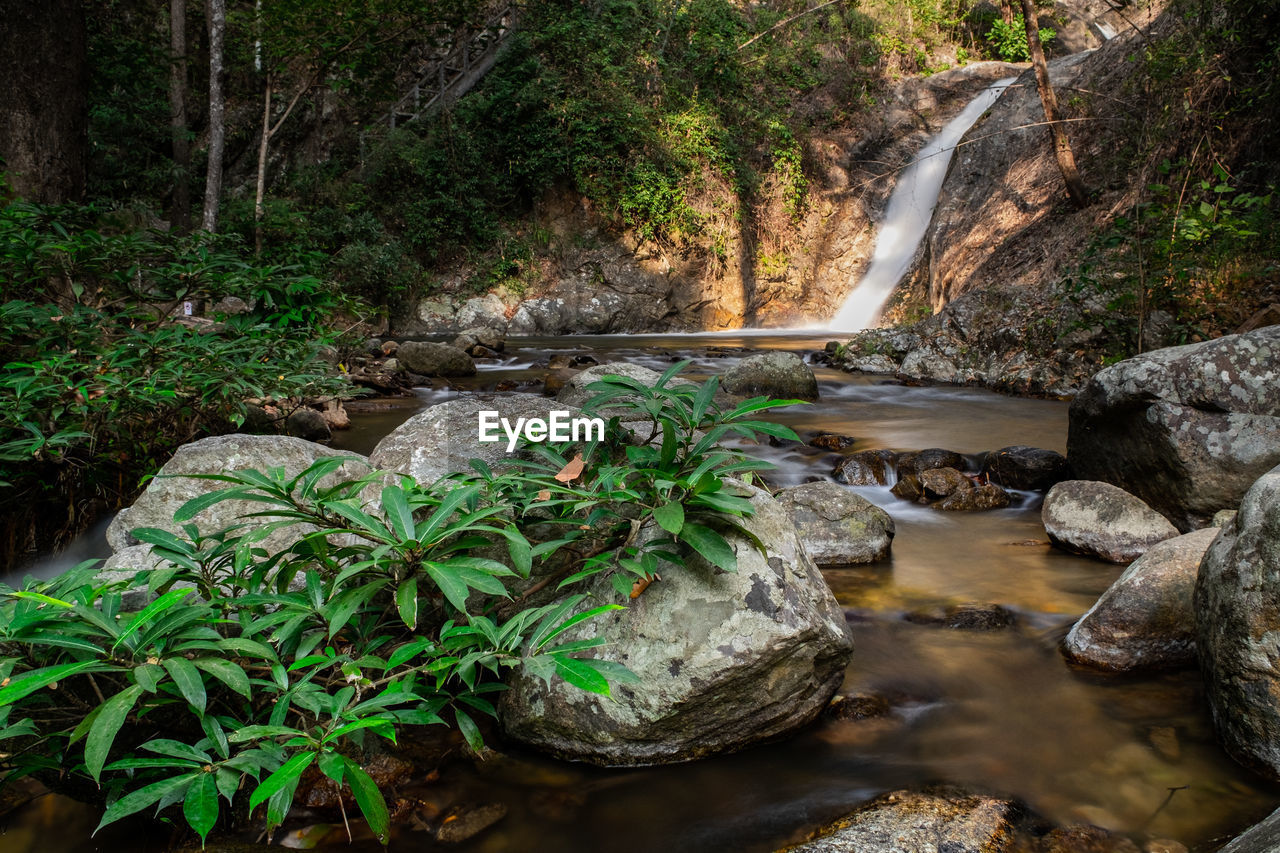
1106, 30
907, 217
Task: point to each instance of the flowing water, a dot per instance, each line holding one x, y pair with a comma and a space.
907, 217
997, 711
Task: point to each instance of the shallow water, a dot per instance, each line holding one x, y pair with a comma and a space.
998, 711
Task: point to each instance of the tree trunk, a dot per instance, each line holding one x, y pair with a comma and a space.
217, 14
44, 113
180, 210
263, 146
1006, 12
1061, 145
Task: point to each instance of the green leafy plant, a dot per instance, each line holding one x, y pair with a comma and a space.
246, 668
1010, 39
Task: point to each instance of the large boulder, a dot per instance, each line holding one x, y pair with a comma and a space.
1188, 429
866, 468
724, 659
837, 526
779, 375
442, 439
1144, 620
1237, 611
430, 359
1100, 520
916, 822
169, 490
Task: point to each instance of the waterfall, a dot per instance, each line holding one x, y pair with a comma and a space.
1106, 30
907, 217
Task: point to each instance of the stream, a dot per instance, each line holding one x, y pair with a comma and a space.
997, 711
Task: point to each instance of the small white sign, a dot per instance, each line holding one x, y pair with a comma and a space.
187, 309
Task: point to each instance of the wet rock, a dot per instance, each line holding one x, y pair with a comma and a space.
838, 527
779, 375
309, 424
902, 821
1237, 612
831, 441
480, 336
442, 439
908, 487
389, 348
1262, 837
1144, 620
335, 415
966, 617
1100, 520
575, 392
1164, 845
1188, 429
1085, 839
553, 383
873, 363
977, 499
431, 359
724, 659
168, 491
867, 468
939, 483
1026, 468
930, 458
858, 706
468, 822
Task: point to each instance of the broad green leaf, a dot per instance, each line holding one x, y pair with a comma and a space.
138, 800
155, 608
103, 732
452, 587
200, 807
177, 749
670, 516
289, 773
407, 602
187, 677
200, 503
710, 545
249, 733
582, 676
228, 673
396, 508
470, 731
369, 799
29, 682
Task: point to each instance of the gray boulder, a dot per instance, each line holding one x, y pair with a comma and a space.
928, 364
724, 659
779, 375
1237, 611
837, 526
574, 391
1100, 520
1026, 468
911, 822
442, 439
1188, 429
1144, 620
169, 490
430, 359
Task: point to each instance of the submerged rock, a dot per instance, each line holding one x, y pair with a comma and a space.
1237, 613
779, 375
966, 617
724, 659
911, 822
1026, 468
442, 439
1188, 429
169, 490
1144, 620
1100, 520
838, 527
431, 359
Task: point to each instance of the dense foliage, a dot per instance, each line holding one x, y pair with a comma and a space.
229, 670
102, 382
